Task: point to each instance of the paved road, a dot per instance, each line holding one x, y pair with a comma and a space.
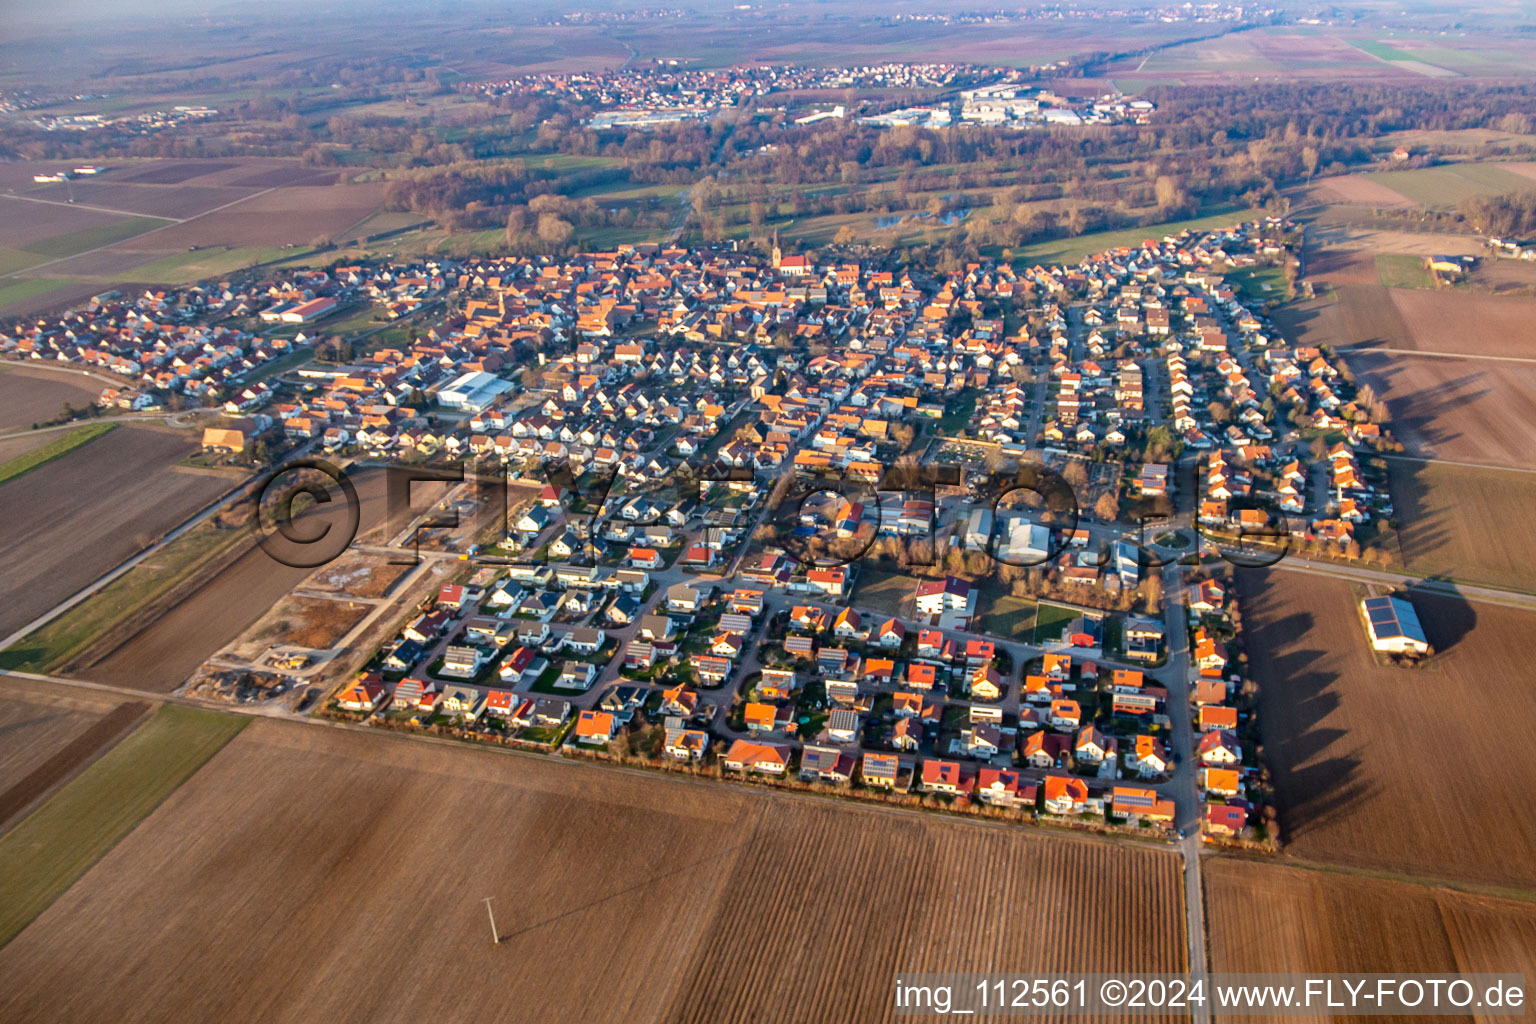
1183, 785
1466, 591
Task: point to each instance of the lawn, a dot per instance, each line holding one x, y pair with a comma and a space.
1260, 284
76, 242
52, 450
1402, 270
1005, 615
957, 414
51, 848
1051, 619
1072, 250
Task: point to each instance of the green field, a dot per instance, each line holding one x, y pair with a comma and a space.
1383, 51
1444, 186
1005, 615
1402, 270
52, 450
1071, 250
60, 841
186, 267
12, 260
94, 238
21, 289
1261, 284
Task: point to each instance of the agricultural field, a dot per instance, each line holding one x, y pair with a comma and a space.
166, 222
1355, 308
53, 846
197, 619
295, 215
1469, 323
56, 445
1260, 916
1466, 523
74, 518
29, 395
1357, 189
587, 866
1464, 410
1504, 277
1443, 186
1346, 315
37, 720
1347, 737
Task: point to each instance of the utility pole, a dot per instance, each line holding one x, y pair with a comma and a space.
495, 936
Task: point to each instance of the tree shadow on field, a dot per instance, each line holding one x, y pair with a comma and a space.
1420, 418
1313, 787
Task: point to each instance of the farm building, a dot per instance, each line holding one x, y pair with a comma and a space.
304, 312
1394, 626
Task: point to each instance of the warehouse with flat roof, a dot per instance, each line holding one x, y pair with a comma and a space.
473, 391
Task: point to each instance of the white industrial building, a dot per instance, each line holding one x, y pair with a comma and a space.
473, 392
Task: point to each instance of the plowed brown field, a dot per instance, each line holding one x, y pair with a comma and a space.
1265, 918
1467, 523
314, 874
1463, 410
72, 519
1387, 767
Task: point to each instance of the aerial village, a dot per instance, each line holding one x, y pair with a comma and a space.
657, 594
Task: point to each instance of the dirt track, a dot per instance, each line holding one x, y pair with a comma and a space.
199, 623
74, 518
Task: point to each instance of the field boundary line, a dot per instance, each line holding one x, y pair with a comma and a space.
54, 450
1425, 460
1388, 875
133, 238
83, 206
1037, 831
138, 794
